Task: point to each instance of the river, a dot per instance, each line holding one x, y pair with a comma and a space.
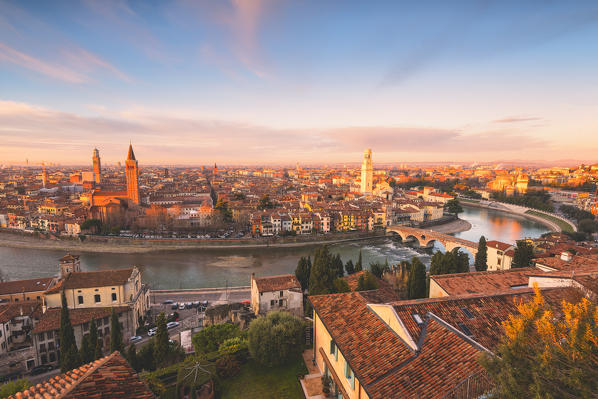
218, 267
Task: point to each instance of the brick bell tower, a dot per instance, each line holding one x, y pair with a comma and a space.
132, 170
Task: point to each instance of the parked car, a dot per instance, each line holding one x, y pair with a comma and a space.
43, 368
174, 306
152, 332
168, 302
205, 304
136, 338
181, 306
189, 305
172, 324
196, 304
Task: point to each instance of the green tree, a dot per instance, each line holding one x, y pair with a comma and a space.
69, 355
87, 350
210, 338
161, 341
449, 262
349, 267
359, 264
95, 225
524, 253
116, 335
481, 257
94, 342
276, 339
265, 202
588, 226
132, 357
546, 352
378, 269
337, 264
453, 206
145, 357
416, 284
322, 272
367, 281
13, 387
302, 273
222, 208
340, 285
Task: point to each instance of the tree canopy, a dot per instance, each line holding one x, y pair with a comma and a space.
547, 353
454, 206
276, 338
210, 338
367, 281
69, 354
416, 284
524, 253
449, 262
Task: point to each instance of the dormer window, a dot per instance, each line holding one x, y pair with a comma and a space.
467, 313
417, 319
465, 329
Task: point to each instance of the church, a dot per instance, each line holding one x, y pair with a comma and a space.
117, 208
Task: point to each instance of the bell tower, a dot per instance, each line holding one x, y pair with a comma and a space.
69, 264
132, 171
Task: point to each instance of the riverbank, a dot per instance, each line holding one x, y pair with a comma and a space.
128, 245
552, 222
456, 226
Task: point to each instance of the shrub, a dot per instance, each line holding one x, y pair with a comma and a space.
210, 338
276, 338
227, 366
237, 347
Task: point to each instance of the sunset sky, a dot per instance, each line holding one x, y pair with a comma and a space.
256, 81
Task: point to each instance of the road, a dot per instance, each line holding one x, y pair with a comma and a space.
212, 295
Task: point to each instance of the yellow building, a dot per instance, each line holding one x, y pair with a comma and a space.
105, 288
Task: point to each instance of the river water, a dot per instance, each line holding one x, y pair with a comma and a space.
233, 267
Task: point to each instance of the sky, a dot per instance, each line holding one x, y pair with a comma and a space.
280, 82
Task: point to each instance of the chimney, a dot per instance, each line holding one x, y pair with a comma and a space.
566, 256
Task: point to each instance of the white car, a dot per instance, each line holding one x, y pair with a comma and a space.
135, 338
182, 306
152, 332
172, 324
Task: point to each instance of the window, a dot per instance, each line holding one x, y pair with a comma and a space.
467, 313
272, 302
42, 347
52, 357
80, 299
349, 375
44, 358
51, 346
281, 293
85, 326
97, 298
50, 334
114, 297
417, 319
465, 330
38, 298
333, 349
280, 301
107, 331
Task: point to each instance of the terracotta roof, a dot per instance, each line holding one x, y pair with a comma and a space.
11, 310
277, 283
69, 258
50, 320
502, 246
109, 377
483, 282
19, 286
578, 262
445, 353
100, 278
487, 311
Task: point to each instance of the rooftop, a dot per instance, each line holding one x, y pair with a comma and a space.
277, 283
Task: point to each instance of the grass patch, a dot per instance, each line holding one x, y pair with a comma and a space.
469, 200
566, 227
257, 381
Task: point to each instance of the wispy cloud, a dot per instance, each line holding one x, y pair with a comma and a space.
517, 119
84, 60
15, 57
164, 138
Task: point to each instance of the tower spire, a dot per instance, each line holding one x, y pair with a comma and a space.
131, 155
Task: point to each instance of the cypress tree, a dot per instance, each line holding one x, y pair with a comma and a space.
116, 335
322, 273
94, 342
337, 265
87, 351
359, 264
302, 273
481, 257
132, 357
161, 341
69, 355
417, 280
349, 267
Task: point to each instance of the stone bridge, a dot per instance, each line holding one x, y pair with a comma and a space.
426, 238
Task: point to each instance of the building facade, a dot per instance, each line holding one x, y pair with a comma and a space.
367, 172
274, 293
